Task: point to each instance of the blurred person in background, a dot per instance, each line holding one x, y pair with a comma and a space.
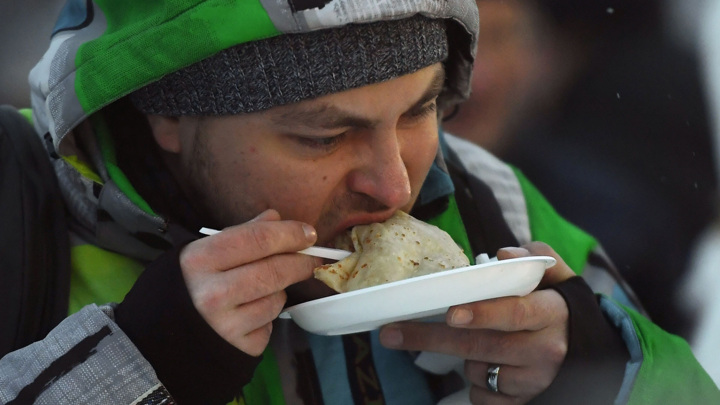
507, 77
606, 114
698, 291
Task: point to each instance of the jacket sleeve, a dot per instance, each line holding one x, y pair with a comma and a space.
616, 355
86, 359
593, 369
152, 348
662, 368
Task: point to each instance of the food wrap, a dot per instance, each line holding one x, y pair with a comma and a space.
399, 248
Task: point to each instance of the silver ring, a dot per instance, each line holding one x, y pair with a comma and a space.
492, 378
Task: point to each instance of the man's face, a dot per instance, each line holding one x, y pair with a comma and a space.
336, 161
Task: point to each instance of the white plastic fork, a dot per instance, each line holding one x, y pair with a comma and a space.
318, 251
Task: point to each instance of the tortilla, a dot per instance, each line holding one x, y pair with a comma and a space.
399, 248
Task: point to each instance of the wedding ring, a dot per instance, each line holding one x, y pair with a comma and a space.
492, 378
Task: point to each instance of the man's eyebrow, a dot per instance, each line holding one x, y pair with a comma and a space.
322, 115
326, 116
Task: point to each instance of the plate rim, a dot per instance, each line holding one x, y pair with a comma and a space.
286, 313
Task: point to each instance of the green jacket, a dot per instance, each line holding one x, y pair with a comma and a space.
104, 49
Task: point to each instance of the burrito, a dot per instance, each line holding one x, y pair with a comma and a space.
399, 248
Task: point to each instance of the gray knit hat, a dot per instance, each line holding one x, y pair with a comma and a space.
286, 69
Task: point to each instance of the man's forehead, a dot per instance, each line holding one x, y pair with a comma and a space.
316, 113
321, 112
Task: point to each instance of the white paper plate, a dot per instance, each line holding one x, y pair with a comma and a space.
419, 297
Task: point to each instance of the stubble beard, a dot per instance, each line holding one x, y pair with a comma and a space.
206, 191
205, 188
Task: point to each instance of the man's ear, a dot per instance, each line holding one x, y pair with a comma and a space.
166, 131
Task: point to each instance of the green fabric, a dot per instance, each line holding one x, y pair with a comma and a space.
83, 168
669, 373
451, 222
99, 276
546, 225
265, 388
145, 40
107, 148
27, 113
76, 163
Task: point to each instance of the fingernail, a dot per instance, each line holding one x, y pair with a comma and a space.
461, 317
310, 233
391, 336
515, 251
261, 216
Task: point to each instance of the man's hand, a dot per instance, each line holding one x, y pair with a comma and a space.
237, 277
525, 336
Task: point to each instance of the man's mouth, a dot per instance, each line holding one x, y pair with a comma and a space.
307, 290
360, 219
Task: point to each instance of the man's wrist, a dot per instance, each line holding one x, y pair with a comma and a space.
594, 365
190, 359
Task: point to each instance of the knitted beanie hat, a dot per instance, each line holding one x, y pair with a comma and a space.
286, 69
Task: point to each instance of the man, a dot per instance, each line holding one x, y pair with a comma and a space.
284, 141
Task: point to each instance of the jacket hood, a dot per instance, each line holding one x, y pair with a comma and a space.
102, 50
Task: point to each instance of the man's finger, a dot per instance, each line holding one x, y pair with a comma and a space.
518, 348
480, 395
512, 381
553, 275
247, 243
256, 280
534, 311
559, 272
512, 252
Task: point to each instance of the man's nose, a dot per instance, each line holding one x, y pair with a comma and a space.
381, 173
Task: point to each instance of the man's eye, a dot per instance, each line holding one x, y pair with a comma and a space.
327, 142
424, 111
